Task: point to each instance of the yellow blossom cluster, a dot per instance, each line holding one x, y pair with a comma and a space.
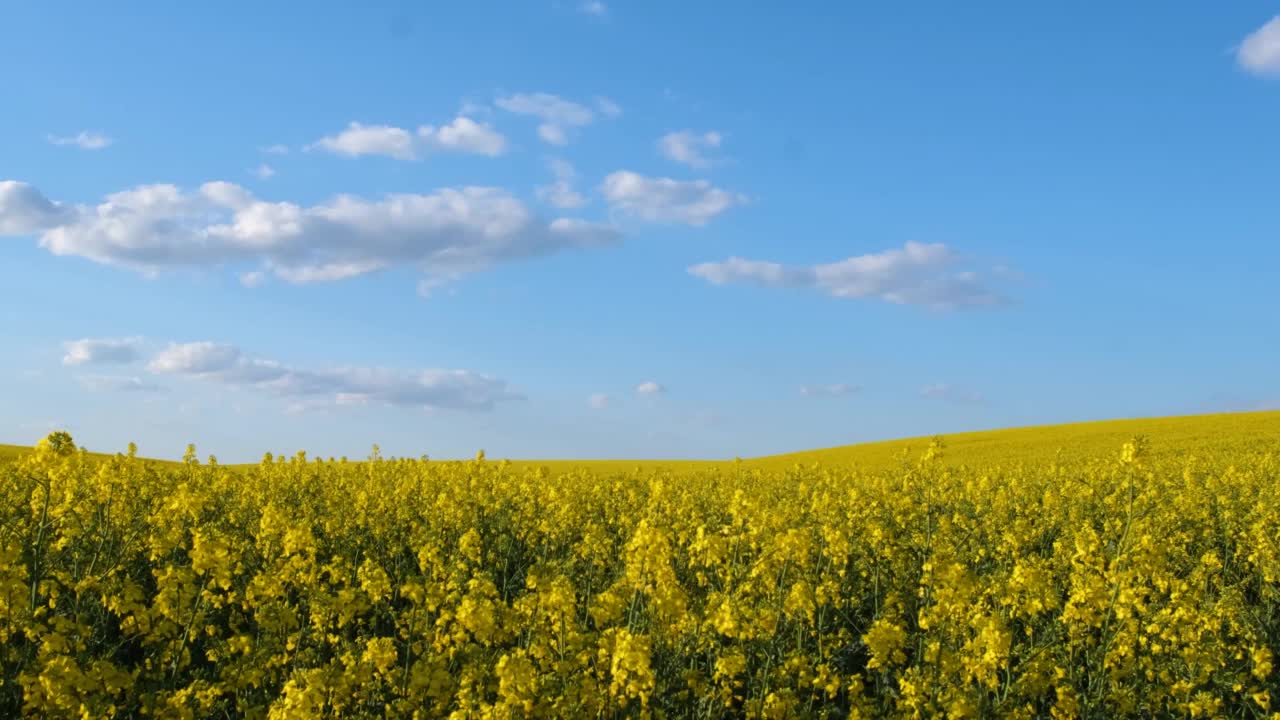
1125, 584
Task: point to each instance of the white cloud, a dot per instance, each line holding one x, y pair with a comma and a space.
594, 7
462, 135
599, 401
264, 172
253, 278
153, 228
560, 193
689, 148
358, 140
474, 108
276, 149
664, 200
917, 274
1259, 53
119, 383
608, 107
465, 135
557, 114
345, 386
101, 351
650, 388
84, 140
24, 211
951, 393
836, 390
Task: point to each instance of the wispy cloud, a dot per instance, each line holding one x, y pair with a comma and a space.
560, 193
344, 386
951, 393
84, 140
101, 351
264, 172
689, 148
1259, 52
276, 149
599, 401
594, 7
558, 115
916, 274
664, 200
835, 390
119, 383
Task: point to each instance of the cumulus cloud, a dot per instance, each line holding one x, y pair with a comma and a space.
101, 351
560, 193
1259, 53
951, 393
264, 172
119, 383
599, 401
228, 365
558, 115
689, 148
650, 388
84, 140
153, 228
24, 211
916, 274
463, 135
664, 200
836, 390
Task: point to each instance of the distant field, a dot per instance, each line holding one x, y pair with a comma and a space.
1180, 435
1177, 436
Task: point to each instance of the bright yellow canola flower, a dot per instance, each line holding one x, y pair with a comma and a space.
1130, 583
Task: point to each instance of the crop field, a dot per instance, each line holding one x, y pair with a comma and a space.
1102, 570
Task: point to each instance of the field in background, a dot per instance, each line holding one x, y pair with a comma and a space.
1180, 435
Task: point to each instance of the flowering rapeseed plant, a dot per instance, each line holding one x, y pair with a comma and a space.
1124, 584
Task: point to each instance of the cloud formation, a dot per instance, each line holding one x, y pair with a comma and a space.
916, 274
650, 388
836, 390
560, 193
1259, 52
24, 211
153, 228
101, 351
84, 140
463, 135
951, 393
594, 7
119, 383
664, 200
557, 115
438, 389
599, 401
689, 148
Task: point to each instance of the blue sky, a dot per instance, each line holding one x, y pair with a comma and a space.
623, 229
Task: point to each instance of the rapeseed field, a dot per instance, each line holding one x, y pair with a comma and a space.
1082, 572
